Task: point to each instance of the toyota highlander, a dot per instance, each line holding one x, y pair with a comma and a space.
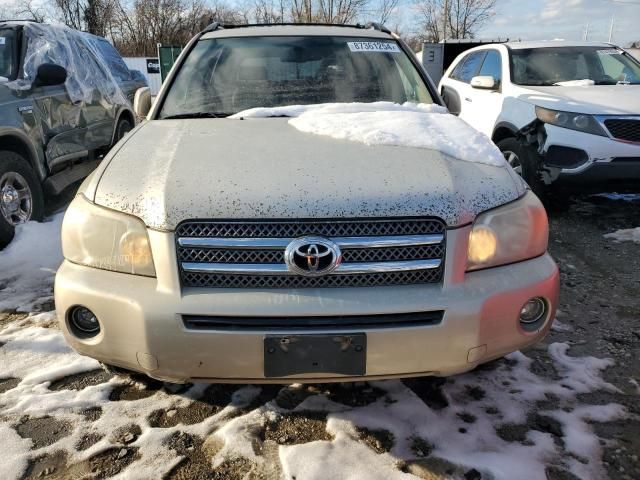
213, 245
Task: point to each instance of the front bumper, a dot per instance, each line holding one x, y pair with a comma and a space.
143, 330
610, 163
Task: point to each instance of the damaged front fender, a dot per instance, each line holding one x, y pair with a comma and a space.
534, 136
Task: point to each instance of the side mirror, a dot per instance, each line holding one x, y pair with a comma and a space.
50, 74
142, 102
484, 82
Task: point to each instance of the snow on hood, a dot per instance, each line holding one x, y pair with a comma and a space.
385, 123
576, 83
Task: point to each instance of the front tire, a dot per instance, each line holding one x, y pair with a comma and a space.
21, 197
524, 159
124, 126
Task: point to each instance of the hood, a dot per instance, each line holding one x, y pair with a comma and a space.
168, 171
594, 99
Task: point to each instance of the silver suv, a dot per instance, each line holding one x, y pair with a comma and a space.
242, 249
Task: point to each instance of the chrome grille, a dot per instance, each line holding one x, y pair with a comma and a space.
251, 254
624, 129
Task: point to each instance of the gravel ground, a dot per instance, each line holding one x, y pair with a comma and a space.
599, 316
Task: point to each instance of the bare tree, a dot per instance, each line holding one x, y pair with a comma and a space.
93, 16
385, 9
29, 9
454, 18
268, 11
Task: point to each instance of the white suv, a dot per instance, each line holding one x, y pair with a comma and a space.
562, 113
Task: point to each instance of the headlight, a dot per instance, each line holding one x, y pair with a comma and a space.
511, 233
574, 121
101, 238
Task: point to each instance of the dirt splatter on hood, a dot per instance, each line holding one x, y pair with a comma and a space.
172, 170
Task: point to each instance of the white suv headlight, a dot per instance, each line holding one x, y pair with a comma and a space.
511, 233
102, 238
573, 121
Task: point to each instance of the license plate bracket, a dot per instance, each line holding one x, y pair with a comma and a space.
340, 354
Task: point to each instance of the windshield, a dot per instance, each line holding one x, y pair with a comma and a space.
7, 55
226, 76
553, 65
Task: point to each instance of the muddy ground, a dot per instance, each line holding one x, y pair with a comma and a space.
599, 305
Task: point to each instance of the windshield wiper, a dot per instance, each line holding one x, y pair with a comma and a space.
196, 115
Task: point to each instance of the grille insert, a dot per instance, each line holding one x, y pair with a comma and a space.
624, 129
339, 228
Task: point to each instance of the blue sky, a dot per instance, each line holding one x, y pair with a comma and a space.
567, 19
543, 19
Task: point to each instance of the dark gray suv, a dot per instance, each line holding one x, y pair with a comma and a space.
65, 98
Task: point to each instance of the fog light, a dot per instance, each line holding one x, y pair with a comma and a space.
533, 311
84, 322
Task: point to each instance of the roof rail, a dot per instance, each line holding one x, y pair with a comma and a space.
212, 27
8, 20
218, 25
378, 26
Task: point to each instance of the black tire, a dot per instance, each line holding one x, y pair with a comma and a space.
527, 163
124, 126
13, 164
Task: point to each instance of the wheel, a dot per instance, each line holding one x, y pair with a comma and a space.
124, 126
525, 161
21, 197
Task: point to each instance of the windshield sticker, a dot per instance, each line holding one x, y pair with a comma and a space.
610, 51
3, 40
373, 47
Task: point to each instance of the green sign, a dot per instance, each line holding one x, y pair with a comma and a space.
168, 56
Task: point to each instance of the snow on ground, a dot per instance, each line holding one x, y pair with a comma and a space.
382, 430
384, 123
626, 197
28, 264
626, 235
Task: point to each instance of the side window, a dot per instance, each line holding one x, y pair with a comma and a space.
492, 66
468, 67
114, 61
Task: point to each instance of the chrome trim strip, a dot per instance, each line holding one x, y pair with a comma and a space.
385, 267
390, 241
235, 243
281, 268
281, 243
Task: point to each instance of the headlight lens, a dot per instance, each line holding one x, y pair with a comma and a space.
574, 121
511, 233
101, 238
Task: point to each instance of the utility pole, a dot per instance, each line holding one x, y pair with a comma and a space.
445, 16
586, 33
611, 28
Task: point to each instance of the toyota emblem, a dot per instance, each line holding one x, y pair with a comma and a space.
312, 256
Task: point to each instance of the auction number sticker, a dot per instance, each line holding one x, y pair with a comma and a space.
2, 40
610, 51
373, 47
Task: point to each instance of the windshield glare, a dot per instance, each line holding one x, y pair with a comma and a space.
229, 75
7, 65
551, 65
